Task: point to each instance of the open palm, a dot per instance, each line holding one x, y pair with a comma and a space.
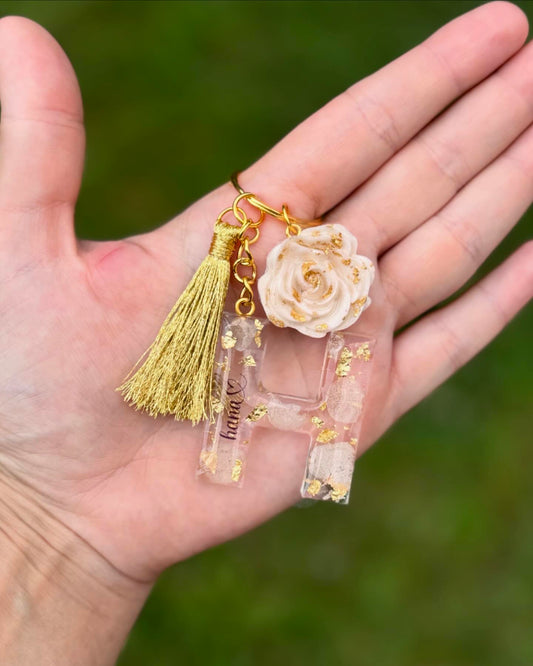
428, 192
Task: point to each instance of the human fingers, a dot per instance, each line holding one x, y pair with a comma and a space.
431, 350
42, 137
434, 261
427, 173
326, 157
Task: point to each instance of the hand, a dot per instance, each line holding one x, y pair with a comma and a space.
428, 196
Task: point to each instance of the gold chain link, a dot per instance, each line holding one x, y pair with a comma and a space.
245, 272
244, 267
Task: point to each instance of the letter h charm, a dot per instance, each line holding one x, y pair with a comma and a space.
241, 403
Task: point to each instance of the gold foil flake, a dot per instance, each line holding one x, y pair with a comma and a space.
354, 442
328, 292
327, 435
217, 405
257, 413
355, 275
321, 327
314, 487
358, 305
336, 240
317, 421
363, 352
258, 328
298, 316
322, 406
209, 460
339, 491
281, 255
277, 322
345, 363
236, 470
311, 277
217, 394
303, 243
306, 267
347, 262
228, 340
248, 361
224, 365
296, 295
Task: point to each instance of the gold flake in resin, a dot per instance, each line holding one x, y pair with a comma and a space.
357, 306
306, 267
322, 406
277, 322
336, 240
317, 421
347, 262
257, 413
327, 435
314, 487
236, 470
258, 328
228, 340
363, 352
355, 275
217, 405
339, 491
354, 442
298, 316
296, 295
248, 361
328, 292
209, 460
345, 363
312, 277
224, 365
321, 327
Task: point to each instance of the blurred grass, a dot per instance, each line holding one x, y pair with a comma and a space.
431, 564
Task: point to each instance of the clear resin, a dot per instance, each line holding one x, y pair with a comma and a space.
241, 404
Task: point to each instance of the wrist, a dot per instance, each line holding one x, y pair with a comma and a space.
61, 602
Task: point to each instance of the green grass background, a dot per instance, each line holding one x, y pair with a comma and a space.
431, 564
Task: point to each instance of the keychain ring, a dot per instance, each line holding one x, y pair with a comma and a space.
248, 196
265, 208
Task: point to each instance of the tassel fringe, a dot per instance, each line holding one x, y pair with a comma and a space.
176, 377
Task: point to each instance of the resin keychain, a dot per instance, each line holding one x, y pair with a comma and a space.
316, 283
205, 363
241, 405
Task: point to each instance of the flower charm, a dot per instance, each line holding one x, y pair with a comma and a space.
316, 282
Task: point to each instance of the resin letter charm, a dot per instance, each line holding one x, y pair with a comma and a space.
241, 404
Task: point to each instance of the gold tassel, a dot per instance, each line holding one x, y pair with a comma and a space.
176, 377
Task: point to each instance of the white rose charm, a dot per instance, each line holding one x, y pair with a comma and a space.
316, 282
